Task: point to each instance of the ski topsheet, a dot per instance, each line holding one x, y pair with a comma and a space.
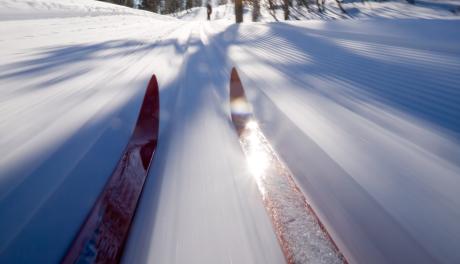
102, 236
302, 236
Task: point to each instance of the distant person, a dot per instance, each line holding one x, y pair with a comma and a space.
209, 7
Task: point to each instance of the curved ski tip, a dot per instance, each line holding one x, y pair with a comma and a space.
111, 216
151, 98
240, 108
150, 109
234, 73
236, 88
153, 83
148, 123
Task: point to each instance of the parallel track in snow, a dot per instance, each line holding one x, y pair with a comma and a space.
301, 234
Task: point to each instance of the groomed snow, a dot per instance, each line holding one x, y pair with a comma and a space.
365, 113
39, 9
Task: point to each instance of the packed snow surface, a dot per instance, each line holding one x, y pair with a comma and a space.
365, 113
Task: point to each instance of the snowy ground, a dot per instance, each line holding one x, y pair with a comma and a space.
36, 9
366, 114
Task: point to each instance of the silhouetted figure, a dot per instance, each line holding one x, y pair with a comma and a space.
208, 6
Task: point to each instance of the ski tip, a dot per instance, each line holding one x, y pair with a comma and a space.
236, 88
102, 236
150, 109
149, 121
241, 111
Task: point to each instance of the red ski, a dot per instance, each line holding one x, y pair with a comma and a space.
103, 235
300, 232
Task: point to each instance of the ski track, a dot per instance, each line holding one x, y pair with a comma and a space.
364, 113
403, 137
205, 193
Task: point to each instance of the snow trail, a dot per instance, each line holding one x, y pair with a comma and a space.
365, 113
339, 123
204, 193
301, 234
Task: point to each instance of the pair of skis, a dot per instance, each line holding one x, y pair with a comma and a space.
102, 237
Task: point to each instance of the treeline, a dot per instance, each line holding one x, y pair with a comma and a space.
291, 9
174, 6
160, 6
287, 6
129, 3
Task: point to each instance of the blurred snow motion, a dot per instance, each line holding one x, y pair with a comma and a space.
300, 233
364, 113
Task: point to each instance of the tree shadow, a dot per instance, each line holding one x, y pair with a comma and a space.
203, 81
65, 63
53, 197
429, 93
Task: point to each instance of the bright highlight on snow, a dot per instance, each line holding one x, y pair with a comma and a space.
258, 161
342, 146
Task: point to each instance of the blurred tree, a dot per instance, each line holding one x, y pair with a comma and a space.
151, 5
320, 8
270, 4
341, 7
286, 5
188, 4
304, 3
197, 3
255, 10
128, 3
238, 11
172, 6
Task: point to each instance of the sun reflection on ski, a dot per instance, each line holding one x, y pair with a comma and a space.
292, 217
256, 156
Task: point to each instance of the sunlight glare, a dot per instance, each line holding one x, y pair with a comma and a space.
257, 158
240, 106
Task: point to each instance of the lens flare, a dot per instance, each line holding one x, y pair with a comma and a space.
239, 105
256, 156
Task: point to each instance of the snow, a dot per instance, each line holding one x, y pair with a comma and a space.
39, 9
299, 231
365, 113
386, 150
